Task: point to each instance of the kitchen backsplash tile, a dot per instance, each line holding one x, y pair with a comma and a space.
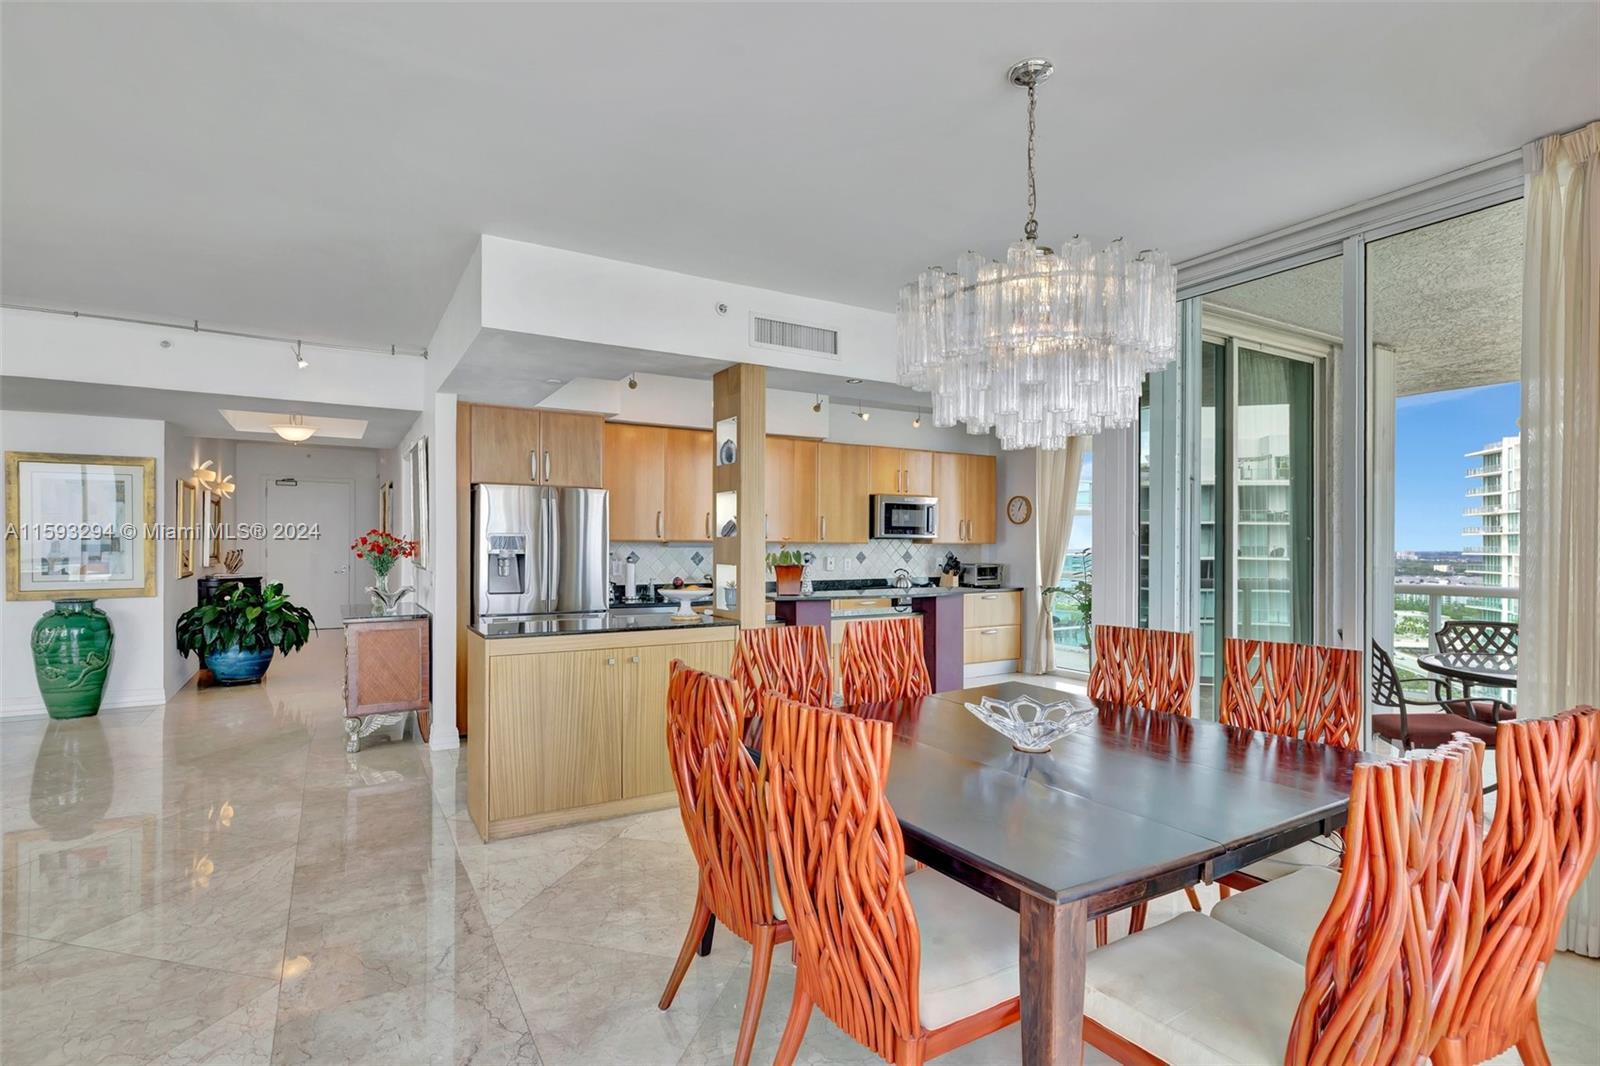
660, 563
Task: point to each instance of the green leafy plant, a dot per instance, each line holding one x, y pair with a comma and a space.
245, 619
784, 557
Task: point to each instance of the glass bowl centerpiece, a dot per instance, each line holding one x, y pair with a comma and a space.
1032, 726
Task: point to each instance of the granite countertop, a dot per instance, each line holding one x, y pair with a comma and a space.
353, 613
868, 592
578, 624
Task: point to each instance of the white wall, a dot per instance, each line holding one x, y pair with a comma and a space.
552, 292
435, 583
1018, 546
258, 465
41, 345
137, 674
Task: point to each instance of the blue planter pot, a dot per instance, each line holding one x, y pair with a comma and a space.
236, 667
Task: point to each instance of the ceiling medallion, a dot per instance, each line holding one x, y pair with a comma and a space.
1049, 343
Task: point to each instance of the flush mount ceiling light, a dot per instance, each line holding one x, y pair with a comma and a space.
295, 430
1047, 344
299, 359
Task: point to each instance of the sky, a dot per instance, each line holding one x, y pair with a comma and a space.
1433, 432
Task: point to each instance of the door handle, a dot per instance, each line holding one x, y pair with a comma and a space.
708, 525
533, 465
824, 520
659, 534
990, 596
766, 526
634, 660
547, 468
989, 632
611, 660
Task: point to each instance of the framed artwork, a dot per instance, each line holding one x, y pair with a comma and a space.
79, 525
185, 518
417, 517
213, 530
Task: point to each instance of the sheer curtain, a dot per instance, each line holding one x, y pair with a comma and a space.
1559, 667
1056, 497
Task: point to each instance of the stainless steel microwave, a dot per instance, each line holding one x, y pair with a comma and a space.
905, 517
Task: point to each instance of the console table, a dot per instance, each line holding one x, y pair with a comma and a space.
388, 674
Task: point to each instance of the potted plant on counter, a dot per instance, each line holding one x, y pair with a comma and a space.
787, 566
236, 634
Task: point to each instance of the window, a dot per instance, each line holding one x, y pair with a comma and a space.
1073, 612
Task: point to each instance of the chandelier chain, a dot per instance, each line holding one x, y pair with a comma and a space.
1030, 229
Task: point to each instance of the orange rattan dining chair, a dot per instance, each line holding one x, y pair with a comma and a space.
1150, 668
720, 800
881, 659
1540, 845
910, 968
1293, 690
788, 661
1385, 965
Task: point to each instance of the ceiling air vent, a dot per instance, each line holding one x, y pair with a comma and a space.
775, 333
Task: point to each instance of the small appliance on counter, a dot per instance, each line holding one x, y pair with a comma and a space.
983, 575
905, 517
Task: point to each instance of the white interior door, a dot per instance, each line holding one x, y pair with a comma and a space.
308, 544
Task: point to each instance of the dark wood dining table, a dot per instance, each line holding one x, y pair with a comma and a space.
1134, 806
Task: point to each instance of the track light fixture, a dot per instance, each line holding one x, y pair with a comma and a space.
865, 416
633, 381
299, 358
916, 423
816, 408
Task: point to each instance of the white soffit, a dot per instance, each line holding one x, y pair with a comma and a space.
263, 421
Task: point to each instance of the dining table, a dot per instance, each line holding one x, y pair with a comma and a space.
1489, 669
1133, 806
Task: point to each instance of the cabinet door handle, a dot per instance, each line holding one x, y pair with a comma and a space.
766, 526
824, 521
988, 632
611, 660
634, 660
659, 534
990, 596
533, 465
547, 467
708, 525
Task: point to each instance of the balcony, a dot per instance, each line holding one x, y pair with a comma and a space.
1420, 610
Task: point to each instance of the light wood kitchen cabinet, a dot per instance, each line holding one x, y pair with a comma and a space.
844, 490
551, 750
660, 482
515, 445
573, 728
901, 471
991, 626
793, 512
634, 479
966, 488
688, 503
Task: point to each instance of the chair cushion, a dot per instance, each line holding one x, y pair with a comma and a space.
1283, 914
1191, 990
1429, 730
969, 949
1321, 852
1480, 710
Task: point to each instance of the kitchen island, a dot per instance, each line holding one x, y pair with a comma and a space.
960, 625
567, 716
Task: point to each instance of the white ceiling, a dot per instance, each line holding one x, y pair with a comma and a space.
200, 414
322, 170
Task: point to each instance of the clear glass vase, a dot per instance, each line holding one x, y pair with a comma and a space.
384, 599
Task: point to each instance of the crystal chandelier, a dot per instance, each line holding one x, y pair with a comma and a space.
1047, 344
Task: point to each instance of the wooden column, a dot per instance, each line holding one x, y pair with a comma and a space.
739, 414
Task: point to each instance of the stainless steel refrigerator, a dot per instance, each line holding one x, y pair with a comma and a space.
538, 550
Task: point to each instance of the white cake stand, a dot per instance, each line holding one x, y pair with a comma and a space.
683, 598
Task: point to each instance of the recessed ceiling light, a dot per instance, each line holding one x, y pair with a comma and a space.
852, 381
554, 381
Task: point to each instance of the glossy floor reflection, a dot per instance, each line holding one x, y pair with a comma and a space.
216, 881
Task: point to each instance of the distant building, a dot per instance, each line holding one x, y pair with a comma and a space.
1493, 514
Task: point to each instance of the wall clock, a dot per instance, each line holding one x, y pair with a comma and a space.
1019, 509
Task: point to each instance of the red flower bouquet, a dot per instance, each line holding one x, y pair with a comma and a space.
381, 550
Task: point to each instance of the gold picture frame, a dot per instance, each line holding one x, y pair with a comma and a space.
213, 530
184, 514
90, 490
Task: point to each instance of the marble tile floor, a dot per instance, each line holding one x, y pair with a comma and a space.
216, 881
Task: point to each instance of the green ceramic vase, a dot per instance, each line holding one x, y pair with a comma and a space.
71, 654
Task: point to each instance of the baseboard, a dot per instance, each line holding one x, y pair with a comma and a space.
31, 708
